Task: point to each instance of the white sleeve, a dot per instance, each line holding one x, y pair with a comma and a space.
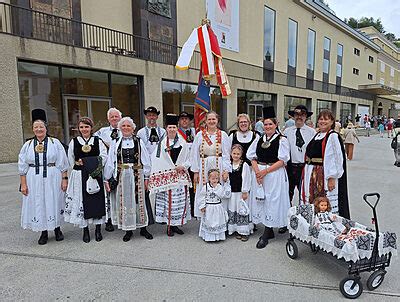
195, 153
251, 152
284, 150
246, 178
110, 162
202, 197
23, 166
103, 152
186, 156
62, 160
145, 158
333, 158
71, 156
226, 152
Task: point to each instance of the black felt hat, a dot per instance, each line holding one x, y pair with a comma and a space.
299, 109
269, 112
171, 119
39, 114
185, 114
152, 109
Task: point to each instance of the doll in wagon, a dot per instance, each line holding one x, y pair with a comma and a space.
324, 219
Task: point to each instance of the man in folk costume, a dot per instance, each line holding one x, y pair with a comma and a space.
151, 134
108, 134
298, 136
128, 163
187, 133
169, 179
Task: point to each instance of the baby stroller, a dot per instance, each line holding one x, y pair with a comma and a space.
363, 249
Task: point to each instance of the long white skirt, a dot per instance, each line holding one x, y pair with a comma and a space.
43, 208
238, 223
213, 223
333, 195
209, 163
179, 212
126, 212
74, 203
272, 211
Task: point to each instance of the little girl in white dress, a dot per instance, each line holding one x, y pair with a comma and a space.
214, 216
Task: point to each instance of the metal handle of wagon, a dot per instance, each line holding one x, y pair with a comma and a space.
373, 207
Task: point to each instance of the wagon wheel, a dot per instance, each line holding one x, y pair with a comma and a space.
291, 249
351, 287
376, 279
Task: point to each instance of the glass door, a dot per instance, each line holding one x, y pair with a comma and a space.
255, 111
75, 107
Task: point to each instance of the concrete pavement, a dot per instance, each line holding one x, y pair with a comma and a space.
184, 268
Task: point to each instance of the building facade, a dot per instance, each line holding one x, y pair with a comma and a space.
75, 58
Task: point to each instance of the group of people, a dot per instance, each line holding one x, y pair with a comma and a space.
131, 179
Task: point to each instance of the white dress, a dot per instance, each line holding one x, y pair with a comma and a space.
239, 223
43, 208
272, 210
208, 160
333, 168
325, 220
172, 196
74, 202
127, 212
213, 222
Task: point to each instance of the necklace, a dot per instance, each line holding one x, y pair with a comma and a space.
267, 142
86, 148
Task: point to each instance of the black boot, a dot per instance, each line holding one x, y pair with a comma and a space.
86, 236
43, 238
127, 236
177, 230
109, 226
282, 230
145, 233
97, 233
268, 234
170, 231
59, 235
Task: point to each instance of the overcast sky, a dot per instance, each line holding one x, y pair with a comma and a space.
387, 10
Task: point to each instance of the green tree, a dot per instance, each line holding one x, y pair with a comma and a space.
364, 22
390, 37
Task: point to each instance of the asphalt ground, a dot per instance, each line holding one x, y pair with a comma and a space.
185, 268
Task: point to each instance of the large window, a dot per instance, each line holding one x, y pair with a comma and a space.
179, 97
339, 64
322, 104
292, 101
346, 113
83, 92
252, 103
269, 34
310, 50
292, 43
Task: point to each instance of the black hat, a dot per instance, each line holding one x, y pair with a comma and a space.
269, 112
151, 109
299, 109
171, 119
185, 114
39, 114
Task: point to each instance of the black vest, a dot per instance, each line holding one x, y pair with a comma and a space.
129, 155
235, 178
78, 153
245, 146
269, 155
174, 153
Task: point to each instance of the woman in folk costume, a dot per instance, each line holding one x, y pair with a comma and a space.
214, 216
170, 180
210, 150
42, 166
238, 210
270, 185
85, 202
126, 176
325, 170
243, 136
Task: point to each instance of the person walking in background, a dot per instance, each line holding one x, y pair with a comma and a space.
381, 129
367, 126
350, 137
389, 127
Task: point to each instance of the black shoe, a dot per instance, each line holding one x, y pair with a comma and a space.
59, 235
177, 230
43, 238
282, 230
145, 233
170, 231
86, 235
109, 226
262, 243
127, 236
97, 233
